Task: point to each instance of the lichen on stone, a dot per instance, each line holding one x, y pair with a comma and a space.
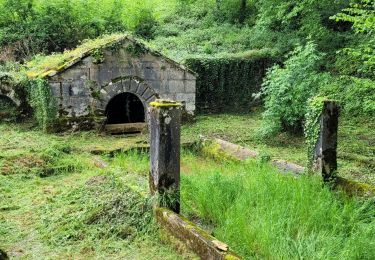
165, 103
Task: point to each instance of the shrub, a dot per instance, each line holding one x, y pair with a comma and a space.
355, 95
287, 89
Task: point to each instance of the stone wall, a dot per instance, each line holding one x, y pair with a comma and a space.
84, 89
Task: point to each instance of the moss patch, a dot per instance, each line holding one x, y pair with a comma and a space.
42, 66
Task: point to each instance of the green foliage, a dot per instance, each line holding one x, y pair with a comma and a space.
312, 126
228, 83
30, 27
145, 24
362, 15
355, 95
262, 214
286, 90
284, 23
98, 56
42, 102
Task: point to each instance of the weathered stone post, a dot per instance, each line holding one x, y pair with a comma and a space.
165, 124
325, 153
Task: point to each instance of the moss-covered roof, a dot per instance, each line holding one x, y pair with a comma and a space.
47, 66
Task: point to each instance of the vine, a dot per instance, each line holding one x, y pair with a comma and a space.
98, 56
136, 50
228, 83
42, 102
312, 126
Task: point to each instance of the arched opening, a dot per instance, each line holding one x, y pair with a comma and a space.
125, 108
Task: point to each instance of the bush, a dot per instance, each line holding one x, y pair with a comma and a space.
287, 89
355, 95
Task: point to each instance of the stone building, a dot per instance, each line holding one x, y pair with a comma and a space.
112, 80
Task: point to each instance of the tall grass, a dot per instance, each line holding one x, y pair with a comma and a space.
263, 214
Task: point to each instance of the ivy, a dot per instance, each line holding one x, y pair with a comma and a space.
42, 102
136, 50
98, 56
228, 84
312, 125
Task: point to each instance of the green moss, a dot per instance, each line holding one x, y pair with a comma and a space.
42, 66
210, 148
165, 103
355, 188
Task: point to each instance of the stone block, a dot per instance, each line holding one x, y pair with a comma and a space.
155, 84
151, 74
190, 106
175, 74
75, 73
190, 86
134, 85
125, 71
104, 75
175, 86
170, 96
165, 125
66, 89
187, 97
114, 88
141, 89
148, 93
115, 72
80, 106
77, 88
55, 89
126, 83
94, 73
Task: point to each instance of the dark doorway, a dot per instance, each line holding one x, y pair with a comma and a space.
125, 108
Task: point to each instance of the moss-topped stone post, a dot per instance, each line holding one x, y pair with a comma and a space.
165, 125
325, 153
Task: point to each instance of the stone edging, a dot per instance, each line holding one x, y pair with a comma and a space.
196, 239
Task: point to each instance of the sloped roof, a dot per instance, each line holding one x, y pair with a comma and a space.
48, 66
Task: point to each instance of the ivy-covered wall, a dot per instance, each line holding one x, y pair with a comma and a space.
228, 83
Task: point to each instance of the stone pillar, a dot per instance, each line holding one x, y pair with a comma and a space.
165, 124
325, 154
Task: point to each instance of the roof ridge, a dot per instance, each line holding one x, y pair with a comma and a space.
71, 60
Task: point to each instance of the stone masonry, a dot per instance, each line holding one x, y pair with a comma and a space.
84, 88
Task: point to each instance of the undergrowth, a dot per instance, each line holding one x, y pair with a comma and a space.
102, 208
262, 214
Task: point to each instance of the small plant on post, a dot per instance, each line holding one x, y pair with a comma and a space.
165, 125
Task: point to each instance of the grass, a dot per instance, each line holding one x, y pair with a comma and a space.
356, 141
264, 215
84, 195
59, 200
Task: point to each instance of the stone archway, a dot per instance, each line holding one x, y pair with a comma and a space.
125, 108
125, 103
